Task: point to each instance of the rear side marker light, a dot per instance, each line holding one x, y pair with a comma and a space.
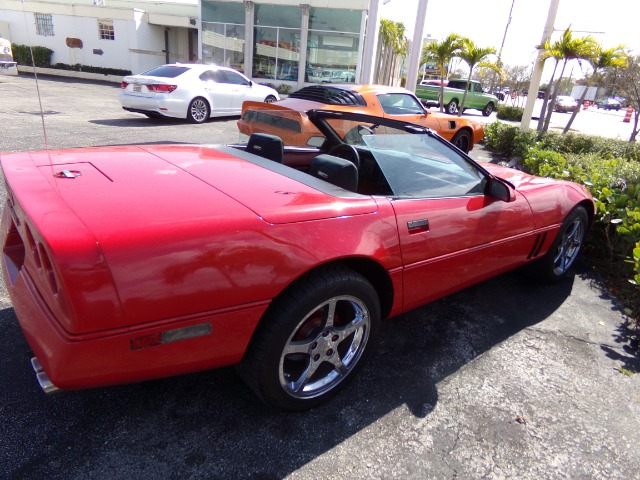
47, 269
170, 336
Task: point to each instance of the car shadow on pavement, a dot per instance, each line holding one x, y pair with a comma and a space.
209, 425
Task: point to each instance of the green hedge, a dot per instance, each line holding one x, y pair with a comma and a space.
509, 113
41, 55
89, 69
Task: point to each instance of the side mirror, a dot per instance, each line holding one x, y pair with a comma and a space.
501, 190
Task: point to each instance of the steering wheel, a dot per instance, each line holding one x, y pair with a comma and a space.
354, 136
346, 151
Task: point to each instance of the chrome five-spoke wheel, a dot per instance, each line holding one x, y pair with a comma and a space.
569, 246
312, 339
324, 347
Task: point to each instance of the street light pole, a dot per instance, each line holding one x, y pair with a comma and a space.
532, 95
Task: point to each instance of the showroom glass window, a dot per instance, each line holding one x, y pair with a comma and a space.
223, 34
277, 42
332, 50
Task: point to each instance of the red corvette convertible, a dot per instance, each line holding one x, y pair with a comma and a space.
131, 263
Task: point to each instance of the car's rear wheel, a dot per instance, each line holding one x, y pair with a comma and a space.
488, 109
564, 250
270, 99
313, 339
451, 107
462, 140
198, 111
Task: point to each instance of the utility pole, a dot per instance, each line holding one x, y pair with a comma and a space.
416, 46
532, 95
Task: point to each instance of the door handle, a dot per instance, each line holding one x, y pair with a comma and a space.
417, 226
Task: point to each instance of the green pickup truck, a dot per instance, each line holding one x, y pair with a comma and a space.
453, 92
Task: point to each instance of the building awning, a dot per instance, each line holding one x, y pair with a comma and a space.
171, 20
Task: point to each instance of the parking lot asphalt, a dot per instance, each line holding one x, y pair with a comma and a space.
504, 380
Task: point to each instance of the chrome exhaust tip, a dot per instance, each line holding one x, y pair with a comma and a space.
43, 379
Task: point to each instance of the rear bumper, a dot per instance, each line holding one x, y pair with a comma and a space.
65, 361
167, 107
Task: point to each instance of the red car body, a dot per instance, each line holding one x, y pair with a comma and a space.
137, 262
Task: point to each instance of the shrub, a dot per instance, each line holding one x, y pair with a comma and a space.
89, 69
41, 55
284, 89
510, 113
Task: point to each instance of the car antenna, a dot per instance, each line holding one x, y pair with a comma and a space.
35, 74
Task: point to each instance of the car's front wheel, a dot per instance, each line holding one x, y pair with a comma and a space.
564, 249
462, 140
313, 339
198, 111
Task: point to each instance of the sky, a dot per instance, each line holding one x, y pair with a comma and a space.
611, 22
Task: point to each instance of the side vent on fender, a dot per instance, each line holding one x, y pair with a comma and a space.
537, 245
452, 124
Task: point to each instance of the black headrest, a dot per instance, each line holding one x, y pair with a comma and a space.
335, 170
267, 146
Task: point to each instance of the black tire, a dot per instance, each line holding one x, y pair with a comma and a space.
451, 107
462, 140
555, 265
198, 111
270, 99
488, 109
328, 322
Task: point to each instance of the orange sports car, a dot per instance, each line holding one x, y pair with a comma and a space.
287, 120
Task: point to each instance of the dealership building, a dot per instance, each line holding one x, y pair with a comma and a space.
271, 41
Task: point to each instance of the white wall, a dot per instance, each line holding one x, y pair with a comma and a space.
138, 45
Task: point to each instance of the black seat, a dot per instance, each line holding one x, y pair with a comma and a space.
335, 170
267, 146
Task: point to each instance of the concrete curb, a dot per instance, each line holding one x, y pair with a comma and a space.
71, 73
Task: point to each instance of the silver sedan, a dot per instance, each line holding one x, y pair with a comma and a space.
192, 91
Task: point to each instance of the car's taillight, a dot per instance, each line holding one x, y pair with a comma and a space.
124, 84
162, 88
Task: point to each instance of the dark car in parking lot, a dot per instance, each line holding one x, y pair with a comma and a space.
609, 104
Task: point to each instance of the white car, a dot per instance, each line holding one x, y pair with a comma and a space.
192, 91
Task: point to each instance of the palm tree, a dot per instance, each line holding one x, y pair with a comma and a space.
565, 49
393, 44
548, 51
475, 56
602, 59
441, 54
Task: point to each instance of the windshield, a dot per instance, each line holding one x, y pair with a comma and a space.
417, 165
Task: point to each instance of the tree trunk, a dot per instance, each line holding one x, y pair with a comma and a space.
575, 112
635, 130
556, 90
464, 96
545, 102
